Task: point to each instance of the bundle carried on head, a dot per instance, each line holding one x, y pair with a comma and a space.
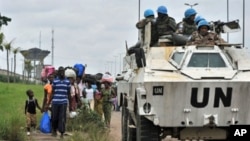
107, 78
79, 68
46, 71
70, 72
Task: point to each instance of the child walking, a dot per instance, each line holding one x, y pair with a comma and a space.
30, 111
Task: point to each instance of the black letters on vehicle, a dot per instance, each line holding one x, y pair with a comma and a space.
157, 90
219, 95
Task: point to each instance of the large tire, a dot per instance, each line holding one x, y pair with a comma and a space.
146, 130
131, 130
124, 123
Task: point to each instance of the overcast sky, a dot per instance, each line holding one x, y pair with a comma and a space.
93, 32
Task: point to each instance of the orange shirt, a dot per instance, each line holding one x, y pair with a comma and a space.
48, 89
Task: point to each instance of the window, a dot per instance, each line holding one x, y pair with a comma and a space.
177, 57
206, 60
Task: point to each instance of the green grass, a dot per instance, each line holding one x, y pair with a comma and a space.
12, 97
87, 126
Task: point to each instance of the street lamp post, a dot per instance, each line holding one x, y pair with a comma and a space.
243, 23
191, 5
115, 64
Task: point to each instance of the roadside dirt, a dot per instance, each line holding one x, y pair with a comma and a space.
115, 127
115, 131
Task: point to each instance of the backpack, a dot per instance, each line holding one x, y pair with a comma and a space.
80, 68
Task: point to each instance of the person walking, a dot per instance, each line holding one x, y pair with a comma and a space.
47, 92
75, 95
89, 93
30, 111
81, 86
60, 99
107, 94
98, 104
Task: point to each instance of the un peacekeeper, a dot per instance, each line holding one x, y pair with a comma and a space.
203, 37
197, 19
187, 26
165, 24
149, 17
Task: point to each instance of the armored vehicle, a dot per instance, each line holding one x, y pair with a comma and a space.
187, 92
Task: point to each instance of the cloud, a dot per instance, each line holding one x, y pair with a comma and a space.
94, 31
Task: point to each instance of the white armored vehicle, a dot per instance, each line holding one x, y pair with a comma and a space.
187, 92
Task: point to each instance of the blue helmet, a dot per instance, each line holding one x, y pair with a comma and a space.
198, 19
162, 10
189, 12
148, 12
203, 23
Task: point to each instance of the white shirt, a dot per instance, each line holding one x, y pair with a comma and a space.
89, 93
81, 86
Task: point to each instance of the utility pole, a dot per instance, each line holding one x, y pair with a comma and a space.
52, 48
139, 13
243, 42
115, 64
40, 40
228, 19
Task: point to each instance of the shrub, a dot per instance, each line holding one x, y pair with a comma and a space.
87, 126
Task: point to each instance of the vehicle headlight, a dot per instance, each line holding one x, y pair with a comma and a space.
147, 107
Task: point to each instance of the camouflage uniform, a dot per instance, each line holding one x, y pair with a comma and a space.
154, 35
186, 27
107, 105
165, 25
209, 39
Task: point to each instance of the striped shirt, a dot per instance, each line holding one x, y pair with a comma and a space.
61, 91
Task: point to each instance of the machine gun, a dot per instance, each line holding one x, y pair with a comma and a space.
225, 27
4, 20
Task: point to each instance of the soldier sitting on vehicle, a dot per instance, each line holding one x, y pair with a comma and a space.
166, 26
203, 36
197, 19
149, 17
187, 26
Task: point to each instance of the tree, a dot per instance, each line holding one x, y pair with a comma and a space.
15, 51
1, 41
8, 47
28, 67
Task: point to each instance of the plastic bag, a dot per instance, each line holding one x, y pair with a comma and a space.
73, 114
45, 126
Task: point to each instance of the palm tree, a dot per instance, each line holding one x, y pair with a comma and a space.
1, 41
28, 67
15, 51
8, 47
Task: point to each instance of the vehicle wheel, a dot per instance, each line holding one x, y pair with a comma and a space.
124, 123
131, 130
146, 130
